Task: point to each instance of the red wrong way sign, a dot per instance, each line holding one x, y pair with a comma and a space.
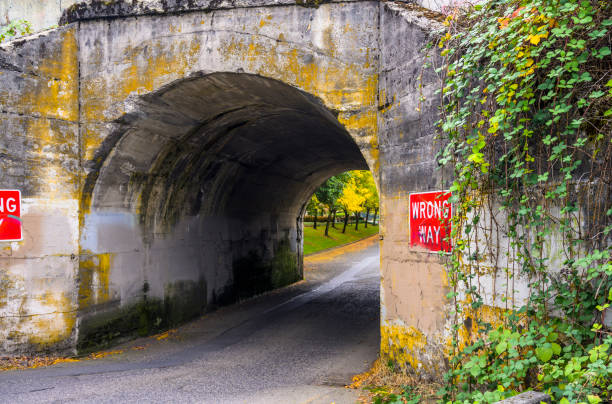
10, 215
430, 220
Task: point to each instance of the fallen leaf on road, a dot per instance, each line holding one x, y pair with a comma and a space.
99, 355
164, 335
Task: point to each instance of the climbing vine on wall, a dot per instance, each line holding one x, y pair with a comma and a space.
15, 28
526, 128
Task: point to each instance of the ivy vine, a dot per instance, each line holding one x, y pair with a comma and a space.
14, 29
526, 128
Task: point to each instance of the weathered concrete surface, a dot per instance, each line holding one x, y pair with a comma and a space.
174, 154
39, 152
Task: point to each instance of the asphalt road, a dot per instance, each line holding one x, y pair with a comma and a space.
300, 344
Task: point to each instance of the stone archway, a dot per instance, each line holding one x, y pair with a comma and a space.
198, 198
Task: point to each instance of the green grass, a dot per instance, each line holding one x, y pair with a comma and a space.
315, 240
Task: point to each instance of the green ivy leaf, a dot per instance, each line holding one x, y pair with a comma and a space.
593, 399
501, 347
544, 353
602, 53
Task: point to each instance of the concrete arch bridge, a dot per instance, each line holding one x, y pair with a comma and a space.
165, 152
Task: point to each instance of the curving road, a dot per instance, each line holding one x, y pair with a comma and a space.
300, 344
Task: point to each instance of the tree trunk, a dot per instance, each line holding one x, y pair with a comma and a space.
375, 214
327, 224
315, 221
356, 221
367, 217
334, 219
346, 217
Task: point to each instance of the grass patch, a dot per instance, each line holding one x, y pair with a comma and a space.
315, 240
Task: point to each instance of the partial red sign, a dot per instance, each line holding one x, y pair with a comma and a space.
430, 220
10, 215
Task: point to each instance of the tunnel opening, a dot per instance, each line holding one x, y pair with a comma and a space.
343, 210
197, 199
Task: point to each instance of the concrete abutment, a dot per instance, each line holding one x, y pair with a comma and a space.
165, 160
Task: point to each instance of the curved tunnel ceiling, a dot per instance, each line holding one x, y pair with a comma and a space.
222, 144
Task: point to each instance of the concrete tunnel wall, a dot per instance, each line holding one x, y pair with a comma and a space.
200, 196
156, 153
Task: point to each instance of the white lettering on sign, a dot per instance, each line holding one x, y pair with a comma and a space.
9, 206
428, 210
429, 223
10, 215
429, 234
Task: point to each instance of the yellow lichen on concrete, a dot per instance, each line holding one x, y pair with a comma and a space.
94, 274
6, 283
145, 68
40, 319
53, 147
469, 333
55, 92
365, 125
403, 345
48, 106
58, 325
337, 84
345, 87
265, 21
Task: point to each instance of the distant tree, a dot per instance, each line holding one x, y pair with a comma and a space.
351, 200
376, 209
313, 208
366, 188
371, 196
328, 194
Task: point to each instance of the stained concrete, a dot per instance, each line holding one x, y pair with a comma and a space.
172, 151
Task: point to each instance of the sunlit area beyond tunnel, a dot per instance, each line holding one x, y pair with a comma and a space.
343, 210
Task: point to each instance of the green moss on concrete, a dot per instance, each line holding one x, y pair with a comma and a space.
253, 275
183, 301
284, 266
100, 330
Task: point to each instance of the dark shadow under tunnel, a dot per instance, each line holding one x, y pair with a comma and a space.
198, 197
